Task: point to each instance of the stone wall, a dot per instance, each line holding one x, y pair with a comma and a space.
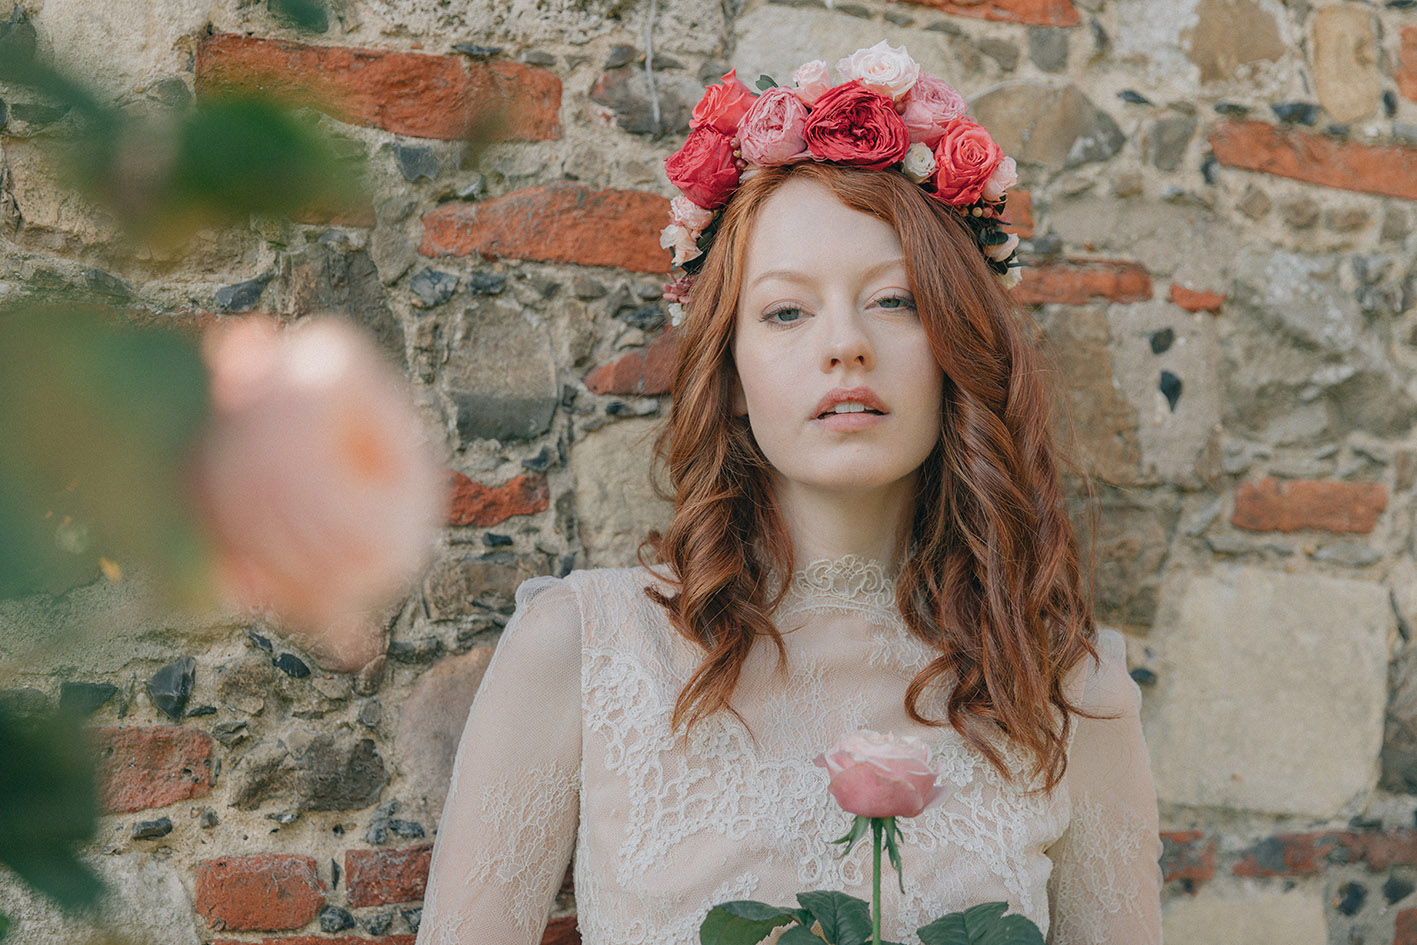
1220, 226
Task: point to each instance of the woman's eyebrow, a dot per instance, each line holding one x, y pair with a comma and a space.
794, 275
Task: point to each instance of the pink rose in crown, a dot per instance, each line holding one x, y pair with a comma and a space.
1004, 177
704, 169
930, 106
723, 106
684, 212
771, 132
853, 125
812, 79
885, 70
874, 775
965, 158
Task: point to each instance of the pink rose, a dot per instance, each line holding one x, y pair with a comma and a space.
812, 79
874, 775
883, 69
853, 125
723, 106
683, 241
704, 169
317, 487
930, 105
1004, 177
771, 132
684, 212
965, 157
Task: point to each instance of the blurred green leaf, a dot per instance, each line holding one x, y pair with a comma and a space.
48, 805
310, 15
97, 415
4, 925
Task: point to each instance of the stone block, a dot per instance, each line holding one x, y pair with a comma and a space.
430, 726
500, 374
1255, 917
1345, 56
464, 585
1227, 39
309, 770
615, 501
115, 48
1052, 124
1270, 691
335, 278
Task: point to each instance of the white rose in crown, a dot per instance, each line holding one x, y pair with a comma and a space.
884, 69
919, 162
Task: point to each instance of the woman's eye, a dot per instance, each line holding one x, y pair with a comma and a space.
896, 302
783, 316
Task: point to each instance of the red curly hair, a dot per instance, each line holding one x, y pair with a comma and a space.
991, 578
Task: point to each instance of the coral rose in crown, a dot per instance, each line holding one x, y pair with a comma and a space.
882, 113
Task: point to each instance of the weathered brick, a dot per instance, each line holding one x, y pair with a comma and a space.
562, 931
649, 372
1407, 63
1405, 928
151, 766
1032, 12
381, 877
1269, 505
480, 505
1078, 281
1194, 301
1310, 854
1187, 855
407, 93
320, 940
1020, 214
265, 893
1302, 155
562, 222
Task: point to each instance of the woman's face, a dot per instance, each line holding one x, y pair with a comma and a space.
835, 372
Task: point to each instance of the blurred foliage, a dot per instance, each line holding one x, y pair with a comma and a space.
97, 417
309, 15
48, 805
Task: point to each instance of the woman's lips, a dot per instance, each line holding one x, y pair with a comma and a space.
825, 418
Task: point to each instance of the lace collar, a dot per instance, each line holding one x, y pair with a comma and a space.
851, 584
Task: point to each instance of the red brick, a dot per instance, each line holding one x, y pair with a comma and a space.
1020, 214
476, 504
649, 372
258, 893
1269, 505
1187, 855
1309, 854
1076, 282
1193, 301
562, 931
1032, 12
1405, 929
562, 222
407, 93
1316, 159
1407, 63
380, 877
320, 940
151, 766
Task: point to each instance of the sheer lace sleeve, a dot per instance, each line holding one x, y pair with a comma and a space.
1106, 881
509, 823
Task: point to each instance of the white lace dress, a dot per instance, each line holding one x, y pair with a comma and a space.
568, 748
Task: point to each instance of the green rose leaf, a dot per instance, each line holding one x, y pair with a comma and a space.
799, 935
744, 922
845, 919
984, 924
765, 82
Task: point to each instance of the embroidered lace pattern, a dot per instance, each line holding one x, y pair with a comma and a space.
1100, 862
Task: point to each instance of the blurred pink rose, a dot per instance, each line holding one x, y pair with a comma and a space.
320, 494
930, 105
683, 241
771, 132
812, 79
874, 775
684, 212
1004, 177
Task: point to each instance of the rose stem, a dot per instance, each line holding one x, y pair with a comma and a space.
877, 823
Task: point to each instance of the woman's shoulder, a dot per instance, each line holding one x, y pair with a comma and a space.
1105, 687
597, 600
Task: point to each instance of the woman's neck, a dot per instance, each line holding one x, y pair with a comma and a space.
832, 525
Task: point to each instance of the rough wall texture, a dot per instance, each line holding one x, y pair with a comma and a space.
1221, 225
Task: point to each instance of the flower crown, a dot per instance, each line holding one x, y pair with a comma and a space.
884, 114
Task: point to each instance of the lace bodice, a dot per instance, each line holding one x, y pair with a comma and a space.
569, 746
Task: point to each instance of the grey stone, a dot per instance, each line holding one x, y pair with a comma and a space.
311, 771
1048, 48
1129, 548
431, 287
85, 698
335, 919
430, 725
172, 92
107, 284
1049, 124
1300, 212
244, 683
625, 91
170, 687
1255, 203
1348, 554
152, 829
416, 162
230, 733
325, 277
1399, 754
1228, 35
242, 296
1001, 51
614, 496
1235, 719
466, 585
501, 375
424, 650
1166, 141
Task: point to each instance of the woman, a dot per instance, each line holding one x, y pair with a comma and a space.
869, 532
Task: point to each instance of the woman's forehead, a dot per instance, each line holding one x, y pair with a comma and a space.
804, 227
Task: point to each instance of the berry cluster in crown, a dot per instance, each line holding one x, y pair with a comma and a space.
884, 113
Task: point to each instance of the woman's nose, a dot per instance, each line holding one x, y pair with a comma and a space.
845, 341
